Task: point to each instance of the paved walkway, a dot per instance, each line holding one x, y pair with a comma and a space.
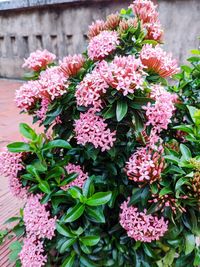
9, 121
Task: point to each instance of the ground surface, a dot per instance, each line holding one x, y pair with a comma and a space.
9, 121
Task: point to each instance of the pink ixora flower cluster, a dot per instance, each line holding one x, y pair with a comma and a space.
140, 226
39, 60
80, 180
147, 14
145, 165
10, 166
39, 225
158, 61
159, 114
71, 65
124, 73
89, 90
102, 45
91, 128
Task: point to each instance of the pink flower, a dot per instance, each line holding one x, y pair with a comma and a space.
27, 95
159, 114
80, 180
32, 253
145, 165
158, 61
102, 45
53, 83
124, 73
39, 60
41, 113
71, 65
140, 226
10, 166
91, 128
147, 14
89, 90
145, 10
37, 219
96, 27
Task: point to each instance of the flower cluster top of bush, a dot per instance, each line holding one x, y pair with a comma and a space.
114, 178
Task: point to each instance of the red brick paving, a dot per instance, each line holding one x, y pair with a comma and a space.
9, 122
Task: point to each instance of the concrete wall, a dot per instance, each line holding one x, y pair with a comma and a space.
62, 28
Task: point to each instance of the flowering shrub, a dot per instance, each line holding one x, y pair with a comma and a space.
114, 178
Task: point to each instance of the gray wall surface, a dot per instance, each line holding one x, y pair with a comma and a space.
61, 28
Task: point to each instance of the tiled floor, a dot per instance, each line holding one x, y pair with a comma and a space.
9, 121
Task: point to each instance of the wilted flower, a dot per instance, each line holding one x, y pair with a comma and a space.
90, 89
39, 60
27, 95
145, 165
71, 65
91, 128
158, 61
102, 45
37, 218
81, 178
53, 83
140, 226
32, 253
124, 73
96, 27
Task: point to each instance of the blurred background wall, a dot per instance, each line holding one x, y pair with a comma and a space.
61, 27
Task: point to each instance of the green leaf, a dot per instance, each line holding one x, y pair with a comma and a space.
12, 219
87, 262
189, 243
44, 186
87, 187
74, 213
185, 152
90, 240
19, 147
184, 128
57, 143
67, 244
27, 131
192, 111
165, 191
182, 181
63, 230
100, 198
69, 261
95, 214
75, 192
121, 110
15, 248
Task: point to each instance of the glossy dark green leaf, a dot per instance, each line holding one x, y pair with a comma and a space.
74, 213
66, 245
44, 186
57, 143
90, 240
69, 261
100, 198
121, 110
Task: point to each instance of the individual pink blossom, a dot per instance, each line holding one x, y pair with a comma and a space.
124, 73
39, 60
154, 31
53, 83
159, 114
10, 166
140, 226
91, 128
145, 10
71, 65
96, 27
41, 113
90, 89
81, 178
102, 45
32, 253
145, 165
27, 95
112, 21
37, 218
158, 61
